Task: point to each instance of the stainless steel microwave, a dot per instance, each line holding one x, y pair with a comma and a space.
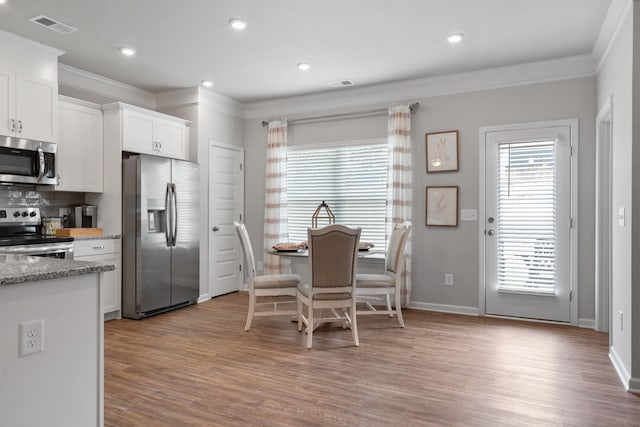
25, 161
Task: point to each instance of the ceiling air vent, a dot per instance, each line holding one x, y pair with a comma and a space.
341, 83
53, 25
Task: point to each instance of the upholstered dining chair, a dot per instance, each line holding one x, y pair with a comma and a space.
330, 292
388, 284
274, 285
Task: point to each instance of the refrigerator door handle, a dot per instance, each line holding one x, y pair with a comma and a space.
168, 216
174, 233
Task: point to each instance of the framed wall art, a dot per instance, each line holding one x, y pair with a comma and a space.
442, 206
442, 151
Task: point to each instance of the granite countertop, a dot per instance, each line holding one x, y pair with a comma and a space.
105, 236
16, 269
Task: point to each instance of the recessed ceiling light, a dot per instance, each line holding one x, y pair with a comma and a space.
127, 51
238, 24
303, 66
207, 83
455, 38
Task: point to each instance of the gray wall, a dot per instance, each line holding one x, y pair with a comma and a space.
208, 125
614, 80
437, 251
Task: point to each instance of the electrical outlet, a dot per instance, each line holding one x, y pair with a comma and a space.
31, 337
621, 319
448, 279
260, 266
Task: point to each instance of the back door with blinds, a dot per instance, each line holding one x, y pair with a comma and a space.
527, 238
351, 177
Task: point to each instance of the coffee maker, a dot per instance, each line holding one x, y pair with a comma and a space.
83, 216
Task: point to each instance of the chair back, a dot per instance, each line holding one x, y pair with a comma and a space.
333, 252
397, 242
246, 249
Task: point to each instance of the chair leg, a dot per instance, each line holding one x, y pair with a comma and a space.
398, 309
310, 325
252, 307
354, 325
388, 299
299, 314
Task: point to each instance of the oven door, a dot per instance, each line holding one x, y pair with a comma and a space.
50, 250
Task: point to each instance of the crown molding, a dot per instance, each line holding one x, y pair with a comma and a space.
199, 96
221, 103
31, 43
177, 98
494, 78
93, 83
618, 10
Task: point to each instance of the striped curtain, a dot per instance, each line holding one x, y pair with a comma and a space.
275, 197
399, 193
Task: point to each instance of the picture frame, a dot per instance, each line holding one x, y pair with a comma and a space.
442, 151
442, 206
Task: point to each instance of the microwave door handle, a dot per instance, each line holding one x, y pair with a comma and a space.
174, 215
41, 165
167, 215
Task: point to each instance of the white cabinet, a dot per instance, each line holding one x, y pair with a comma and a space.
28, 107
154, 133
79, 160
107, 250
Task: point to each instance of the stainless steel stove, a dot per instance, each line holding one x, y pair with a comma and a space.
20, 233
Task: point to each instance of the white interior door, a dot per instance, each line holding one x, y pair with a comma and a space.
527, 223
226, 195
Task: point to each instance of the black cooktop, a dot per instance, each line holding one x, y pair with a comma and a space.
32, 240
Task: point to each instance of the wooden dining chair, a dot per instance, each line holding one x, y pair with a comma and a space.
274, 285
332, 272
390, 283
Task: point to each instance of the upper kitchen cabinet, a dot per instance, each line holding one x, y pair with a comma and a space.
150, 132
28, 89
79, 160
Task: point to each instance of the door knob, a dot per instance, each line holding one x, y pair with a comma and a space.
491, 232
215, 228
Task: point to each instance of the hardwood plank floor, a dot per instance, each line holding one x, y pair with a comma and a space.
196, 366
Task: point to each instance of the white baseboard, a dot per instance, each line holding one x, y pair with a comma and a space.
587, 323
445, 308
620, 369
203, 298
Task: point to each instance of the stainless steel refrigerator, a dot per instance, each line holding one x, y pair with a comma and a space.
160, 235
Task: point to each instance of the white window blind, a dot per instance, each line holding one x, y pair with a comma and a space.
527, 217
351, 179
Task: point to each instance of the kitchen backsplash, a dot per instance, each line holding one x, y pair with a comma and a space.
49, 202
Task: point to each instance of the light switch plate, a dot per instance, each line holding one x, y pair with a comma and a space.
621, 217
468, 214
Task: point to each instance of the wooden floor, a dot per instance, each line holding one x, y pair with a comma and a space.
196, 366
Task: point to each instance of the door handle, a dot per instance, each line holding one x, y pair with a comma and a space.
175, 214
41, 163
216, 228
167, 215
491, 232
19, 126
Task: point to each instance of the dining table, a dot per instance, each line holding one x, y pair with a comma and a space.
370, 261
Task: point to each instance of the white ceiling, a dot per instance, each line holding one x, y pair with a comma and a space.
180, 43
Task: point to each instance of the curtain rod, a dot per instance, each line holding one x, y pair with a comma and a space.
412, 107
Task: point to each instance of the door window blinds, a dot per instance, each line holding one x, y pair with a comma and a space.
351, 179
527, 217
